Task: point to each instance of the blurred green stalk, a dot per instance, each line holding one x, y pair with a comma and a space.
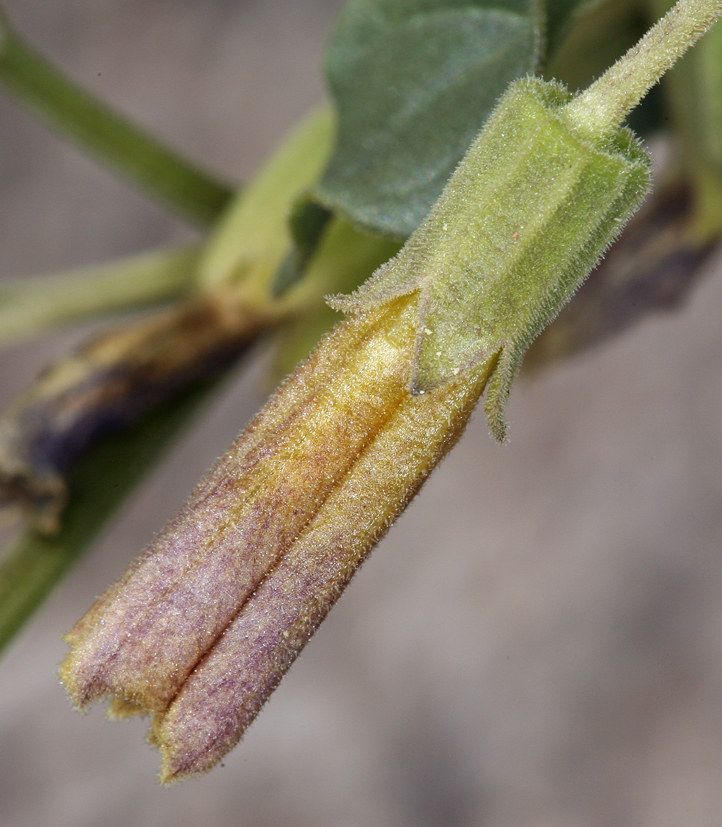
111, 137
31, 305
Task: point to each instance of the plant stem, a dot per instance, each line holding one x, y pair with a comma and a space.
110, 136
606, 103
252, 239
28, 306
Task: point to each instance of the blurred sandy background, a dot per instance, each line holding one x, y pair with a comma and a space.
538, 642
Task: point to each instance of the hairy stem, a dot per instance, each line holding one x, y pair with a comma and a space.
612, 97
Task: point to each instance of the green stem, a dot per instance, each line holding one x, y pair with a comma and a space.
252, 239
108, 135
606, 103
28, 306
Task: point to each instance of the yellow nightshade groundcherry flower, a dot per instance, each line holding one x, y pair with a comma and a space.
206, 622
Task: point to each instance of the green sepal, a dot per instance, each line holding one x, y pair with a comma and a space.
527, 214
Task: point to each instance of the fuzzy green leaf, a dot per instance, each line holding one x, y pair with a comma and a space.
413, 81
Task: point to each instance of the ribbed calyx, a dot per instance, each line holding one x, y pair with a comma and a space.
527, 214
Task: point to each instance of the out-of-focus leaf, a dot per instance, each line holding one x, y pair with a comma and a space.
307, 223
693, 97
560, 18
35, 563
252, 238
413, 82
588, 37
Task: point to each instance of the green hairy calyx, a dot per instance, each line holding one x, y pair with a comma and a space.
540, 195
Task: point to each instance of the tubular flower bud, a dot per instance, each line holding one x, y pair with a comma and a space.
206, 622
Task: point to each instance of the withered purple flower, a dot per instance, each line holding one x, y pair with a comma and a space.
206, 622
